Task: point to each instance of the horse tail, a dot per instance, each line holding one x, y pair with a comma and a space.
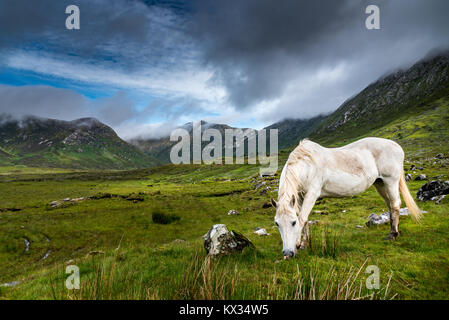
409, 201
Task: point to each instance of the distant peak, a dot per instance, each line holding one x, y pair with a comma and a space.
86, 122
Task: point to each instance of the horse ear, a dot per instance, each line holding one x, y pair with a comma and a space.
274, 203
292, 202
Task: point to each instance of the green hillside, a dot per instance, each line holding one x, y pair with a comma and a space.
79, 144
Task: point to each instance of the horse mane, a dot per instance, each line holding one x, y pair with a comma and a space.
292, 187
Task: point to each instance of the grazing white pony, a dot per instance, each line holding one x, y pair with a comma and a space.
313, 172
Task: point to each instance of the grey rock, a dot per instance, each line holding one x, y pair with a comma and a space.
233, 212
10, 284
408, 177
55, 204
433, 189
261, 232
421, 177
220, 241
375, 219
260, 184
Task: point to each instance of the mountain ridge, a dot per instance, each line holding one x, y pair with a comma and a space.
84, 143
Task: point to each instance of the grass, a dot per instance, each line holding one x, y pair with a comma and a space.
147, 260
137, 258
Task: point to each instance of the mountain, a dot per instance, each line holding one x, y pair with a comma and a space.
291, 131
81, 144
160, 148
404, 95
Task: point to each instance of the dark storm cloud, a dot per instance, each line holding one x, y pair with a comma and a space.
43, 101
269, 60
258, 47
63, 104
123, 32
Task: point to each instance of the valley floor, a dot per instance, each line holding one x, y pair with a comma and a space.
123, 254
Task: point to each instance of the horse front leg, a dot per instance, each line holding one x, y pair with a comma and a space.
303, 238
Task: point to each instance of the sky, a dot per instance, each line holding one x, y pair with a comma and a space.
145, 67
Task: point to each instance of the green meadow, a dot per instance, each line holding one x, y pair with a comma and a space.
123, 254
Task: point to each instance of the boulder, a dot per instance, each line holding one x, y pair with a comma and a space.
421, 177
220, 241
433, 189
375, 219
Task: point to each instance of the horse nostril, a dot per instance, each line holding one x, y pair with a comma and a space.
288, 253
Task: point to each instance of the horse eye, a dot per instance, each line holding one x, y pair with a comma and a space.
293, 223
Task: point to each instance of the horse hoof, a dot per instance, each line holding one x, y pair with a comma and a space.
391, 236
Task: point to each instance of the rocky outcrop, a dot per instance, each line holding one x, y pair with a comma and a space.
433, 189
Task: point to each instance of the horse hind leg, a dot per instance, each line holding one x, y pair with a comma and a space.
390, 193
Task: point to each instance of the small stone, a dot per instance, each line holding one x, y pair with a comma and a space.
421, 177
265, 190
261, 232
267, 205
408, 177
312, 222
233, 212
258, 185
359, 226
55, 204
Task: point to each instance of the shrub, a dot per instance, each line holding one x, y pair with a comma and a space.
163, 218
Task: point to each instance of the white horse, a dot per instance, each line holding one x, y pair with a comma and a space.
313, 172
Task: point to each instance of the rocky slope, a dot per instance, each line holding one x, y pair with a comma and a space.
393, 96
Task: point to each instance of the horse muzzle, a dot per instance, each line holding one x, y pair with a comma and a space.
288, 254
